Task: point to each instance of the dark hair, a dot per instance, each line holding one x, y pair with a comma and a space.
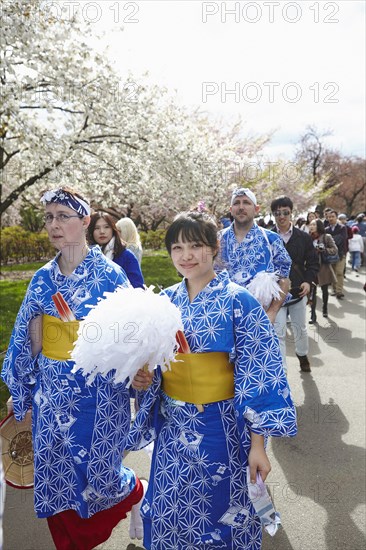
333, 212
119, 246
192, 227
320, 229
282, 201
307, 217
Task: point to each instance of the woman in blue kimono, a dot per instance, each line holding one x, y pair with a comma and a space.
211, 414
80, 483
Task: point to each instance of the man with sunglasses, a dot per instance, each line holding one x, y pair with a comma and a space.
305, 266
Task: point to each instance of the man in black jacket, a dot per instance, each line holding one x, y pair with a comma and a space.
305, 266
339, 234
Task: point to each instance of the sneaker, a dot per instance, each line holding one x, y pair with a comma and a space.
325, 314
340, 296
304, 363
312, 321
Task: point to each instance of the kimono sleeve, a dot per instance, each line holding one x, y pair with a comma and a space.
280, 257
20, 367
221, 260
262, 396
148, 420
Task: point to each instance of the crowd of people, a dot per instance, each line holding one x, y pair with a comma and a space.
348, 246
211, 414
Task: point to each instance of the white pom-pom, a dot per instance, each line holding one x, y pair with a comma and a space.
127, 329
265, 288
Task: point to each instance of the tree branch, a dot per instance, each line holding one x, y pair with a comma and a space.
63, 109
25, 185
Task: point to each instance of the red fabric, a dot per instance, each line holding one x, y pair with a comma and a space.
71, 532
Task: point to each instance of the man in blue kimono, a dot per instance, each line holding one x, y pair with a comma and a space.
247, 250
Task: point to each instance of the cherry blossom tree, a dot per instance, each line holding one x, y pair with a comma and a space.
67, 118
347, 184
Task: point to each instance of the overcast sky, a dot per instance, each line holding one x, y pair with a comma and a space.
278, 65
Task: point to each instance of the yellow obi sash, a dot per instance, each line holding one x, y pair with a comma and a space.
200, 378
58, 337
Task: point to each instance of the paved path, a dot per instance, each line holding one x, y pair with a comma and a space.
317, 478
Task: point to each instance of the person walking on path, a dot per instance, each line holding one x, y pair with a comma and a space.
309, 218
342, 219
211, 414
339, 233
356, 248
80, 483
361, 224
103, 231
322, 243
247, 250
304, 269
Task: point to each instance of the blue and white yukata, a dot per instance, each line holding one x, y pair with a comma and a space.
197, 496
260, 250
78, 430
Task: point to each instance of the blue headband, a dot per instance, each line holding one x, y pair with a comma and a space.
61, 196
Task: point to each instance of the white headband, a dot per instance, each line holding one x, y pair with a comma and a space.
243, 191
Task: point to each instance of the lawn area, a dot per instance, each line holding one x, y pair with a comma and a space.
11, 296
156, 267
22, 267
158, 270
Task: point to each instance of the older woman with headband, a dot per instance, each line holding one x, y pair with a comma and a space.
80, 483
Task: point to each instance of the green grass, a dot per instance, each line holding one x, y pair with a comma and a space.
22, 267
158, 270
11, 296
156, 267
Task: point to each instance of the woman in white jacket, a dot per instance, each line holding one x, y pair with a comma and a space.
356, 248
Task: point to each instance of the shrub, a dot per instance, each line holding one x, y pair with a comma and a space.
18, 246
153, 239
31, 217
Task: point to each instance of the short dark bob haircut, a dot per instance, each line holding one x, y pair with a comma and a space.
192, 227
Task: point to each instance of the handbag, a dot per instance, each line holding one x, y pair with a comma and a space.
311, 295
329, 258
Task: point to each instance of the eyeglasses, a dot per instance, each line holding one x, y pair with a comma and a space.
61, 218
279, 213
